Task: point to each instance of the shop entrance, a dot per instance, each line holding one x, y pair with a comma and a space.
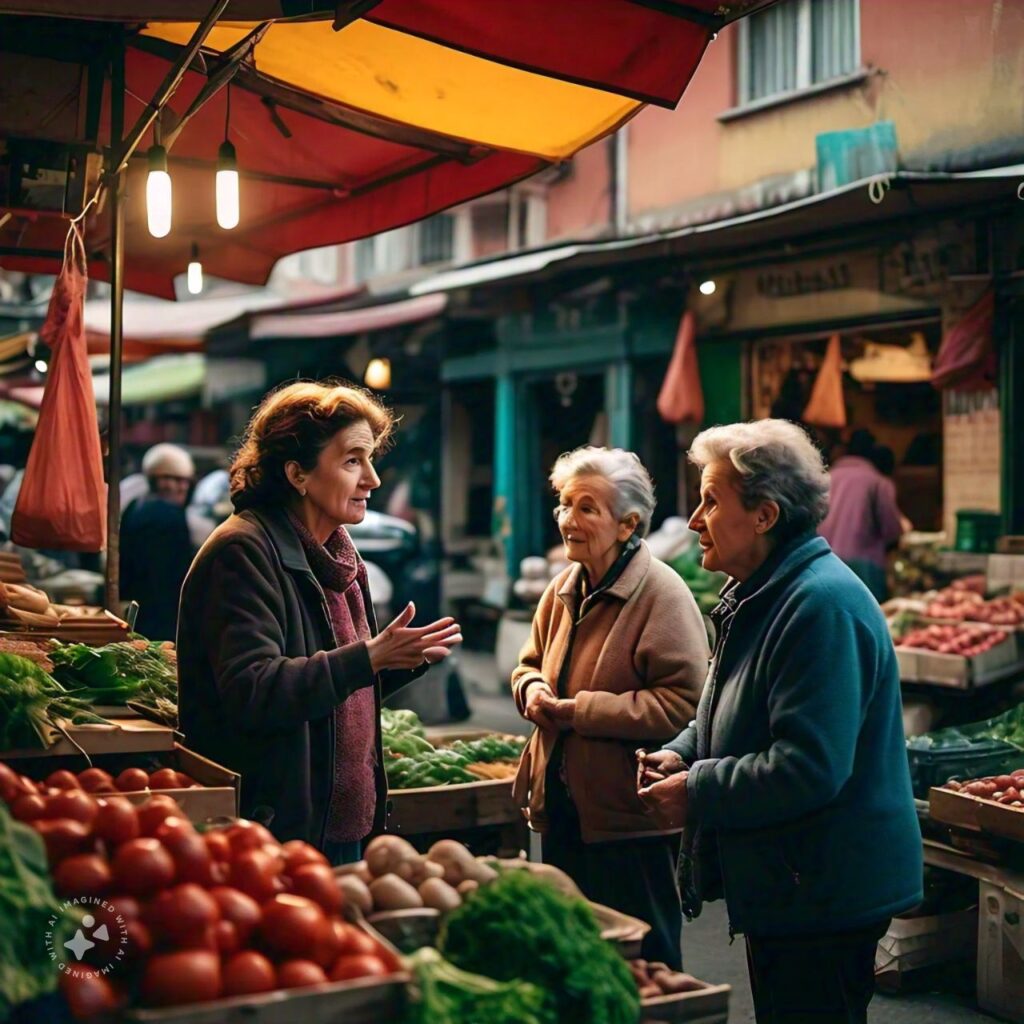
886, 390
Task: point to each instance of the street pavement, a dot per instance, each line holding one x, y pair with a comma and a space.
707, 952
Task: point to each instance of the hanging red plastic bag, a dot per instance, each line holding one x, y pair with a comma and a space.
681, 398
967, 357
62, 504
826, 407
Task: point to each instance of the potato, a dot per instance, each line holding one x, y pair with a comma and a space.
671, 982
356, 893
437, 893
390, 892
650, 991
466, 886
385, 853
358, 869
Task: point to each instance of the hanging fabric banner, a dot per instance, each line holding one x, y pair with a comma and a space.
681, 399
826, 407
63, 498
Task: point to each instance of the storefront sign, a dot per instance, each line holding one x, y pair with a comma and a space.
922, 265
784, 284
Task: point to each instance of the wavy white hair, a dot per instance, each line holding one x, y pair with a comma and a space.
776, 461
632, 484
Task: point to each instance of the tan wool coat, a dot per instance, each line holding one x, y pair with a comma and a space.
638, 662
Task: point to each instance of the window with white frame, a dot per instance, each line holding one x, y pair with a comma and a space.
433, 240
797, 44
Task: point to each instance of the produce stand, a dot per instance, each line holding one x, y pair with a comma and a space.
120, 736
483, 814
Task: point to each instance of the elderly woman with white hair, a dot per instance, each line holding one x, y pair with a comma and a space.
793, 781
616, 660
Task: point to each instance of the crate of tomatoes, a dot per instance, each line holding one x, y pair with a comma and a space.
174, 924
994, 804
202, 789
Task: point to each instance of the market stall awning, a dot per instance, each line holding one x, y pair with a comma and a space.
345, 127
163, 379
343, 322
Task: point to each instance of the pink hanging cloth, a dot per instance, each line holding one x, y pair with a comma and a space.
681, 398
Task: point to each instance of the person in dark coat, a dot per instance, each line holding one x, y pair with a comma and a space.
155, 545
281, 668
792, 782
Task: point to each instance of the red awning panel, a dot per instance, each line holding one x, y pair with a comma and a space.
338, 323
647, 52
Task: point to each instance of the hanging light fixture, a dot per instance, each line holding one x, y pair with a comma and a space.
378, 374
195, 272
708, 287
227, 178
158, 193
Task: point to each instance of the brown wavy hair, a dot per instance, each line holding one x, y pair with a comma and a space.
295, 423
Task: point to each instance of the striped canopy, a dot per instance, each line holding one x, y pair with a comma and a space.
363, 116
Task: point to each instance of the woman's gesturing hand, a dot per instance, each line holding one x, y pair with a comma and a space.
399, 645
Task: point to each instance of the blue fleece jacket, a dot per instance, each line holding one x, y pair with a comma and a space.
800, 807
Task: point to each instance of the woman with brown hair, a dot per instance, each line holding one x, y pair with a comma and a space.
281, 668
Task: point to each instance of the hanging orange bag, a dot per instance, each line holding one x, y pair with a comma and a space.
826, 407
681, 398
62, 502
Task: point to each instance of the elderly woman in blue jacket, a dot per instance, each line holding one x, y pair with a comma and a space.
792, 781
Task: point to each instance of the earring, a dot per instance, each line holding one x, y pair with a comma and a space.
302, 491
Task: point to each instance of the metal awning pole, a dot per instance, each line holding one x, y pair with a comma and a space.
116, 194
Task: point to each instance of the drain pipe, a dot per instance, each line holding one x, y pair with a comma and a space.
620, 180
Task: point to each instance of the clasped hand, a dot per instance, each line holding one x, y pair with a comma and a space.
661, 778
547, 711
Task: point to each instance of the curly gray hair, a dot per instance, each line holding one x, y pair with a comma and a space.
632, 484
776, 461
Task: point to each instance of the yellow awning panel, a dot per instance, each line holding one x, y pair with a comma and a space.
413, 81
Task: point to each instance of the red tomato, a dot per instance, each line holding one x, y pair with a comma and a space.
164, 778
63, 837
88, 994
188, 976
123, 906
96, 780
74, 804
297, 853
299, 974
248, 835
154, 811
218, 845
238, 908
9, 785
132, 780
248, 972
293, 925
359, 966
28, 807
116, 820
317, 882
142, 867
191, 855
184, 910
255, 872
225, 936
84, 874
140, 941
63, 779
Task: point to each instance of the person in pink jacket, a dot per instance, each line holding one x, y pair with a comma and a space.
863, 518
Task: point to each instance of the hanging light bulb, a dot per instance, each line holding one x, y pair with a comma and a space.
158, 193
378, 374
708, 287
227, 186
41, 365
195, 272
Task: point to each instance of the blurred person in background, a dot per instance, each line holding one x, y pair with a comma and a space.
863, 519
156, 544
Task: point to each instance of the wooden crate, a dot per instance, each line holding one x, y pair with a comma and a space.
1001, 950
444, 808
120, 736
955, 670
218, 797
708, 1005
976, 814
364, 1001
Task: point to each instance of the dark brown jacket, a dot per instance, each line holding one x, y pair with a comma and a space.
260, 673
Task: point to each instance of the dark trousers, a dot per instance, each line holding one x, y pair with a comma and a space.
814, 979
634, 876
